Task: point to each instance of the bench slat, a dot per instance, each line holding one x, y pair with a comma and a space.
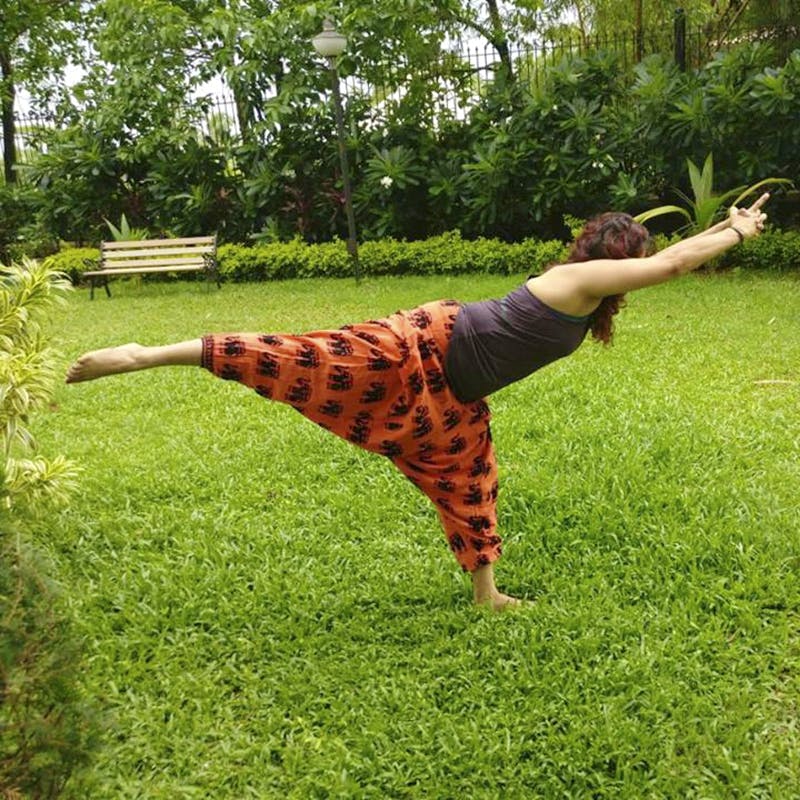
167, 251
113, 266
155, 243
109, 273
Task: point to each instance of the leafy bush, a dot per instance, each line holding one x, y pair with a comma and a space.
777, 251
190, 190
737, 106
439, 255
160, 173
19, 233
72, 261
81, 179
444, 254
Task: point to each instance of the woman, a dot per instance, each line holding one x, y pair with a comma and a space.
412, 386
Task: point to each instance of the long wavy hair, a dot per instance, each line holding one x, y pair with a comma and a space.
610, 235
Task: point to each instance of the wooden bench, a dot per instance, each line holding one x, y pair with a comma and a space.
153, 255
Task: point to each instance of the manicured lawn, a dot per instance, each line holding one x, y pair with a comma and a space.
270, 612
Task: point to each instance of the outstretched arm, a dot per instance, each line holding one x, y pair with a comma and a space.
605, 277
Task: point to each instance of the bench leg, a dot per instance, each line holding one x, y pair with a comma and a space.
212, 274
92, 283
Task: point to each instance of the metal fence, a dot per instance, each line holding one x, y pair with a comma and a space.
455, 82
27, 127
221, 118
458, 81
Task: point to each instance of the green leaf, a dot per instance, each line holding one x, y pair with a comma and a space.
660, 211
756, 186
701, 182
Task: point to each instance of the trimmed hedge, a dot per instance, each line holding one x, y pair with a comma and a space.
444, 254
440, 255
776, 251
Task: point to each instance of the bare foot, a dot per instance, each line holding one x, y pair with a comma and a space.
110, 361
485, 591
498, 601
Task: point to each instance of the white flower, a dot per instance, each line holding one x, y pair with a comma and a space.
289, 173
555, 108
386, 181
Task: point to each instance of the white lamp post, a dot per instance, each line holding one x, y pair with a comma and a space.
331, 44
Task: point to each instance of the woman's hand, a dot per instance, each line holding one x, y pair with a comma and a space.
749, 221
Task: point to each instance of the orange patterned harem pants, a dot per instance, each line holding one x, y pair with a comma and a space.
381, 385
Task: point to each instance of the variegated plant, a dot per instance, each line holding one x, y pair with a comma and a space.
27, 376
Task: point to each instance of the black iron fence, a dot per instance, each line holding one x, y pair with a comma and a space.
221, 118
27, 127
456, 81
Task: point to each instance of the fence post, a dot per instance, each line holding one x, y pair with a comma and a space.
680, 39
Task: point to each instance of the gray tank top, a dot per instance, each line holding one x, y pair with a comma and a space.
497, 342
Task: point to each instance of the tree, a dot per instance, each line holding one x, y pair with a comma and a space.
37, 39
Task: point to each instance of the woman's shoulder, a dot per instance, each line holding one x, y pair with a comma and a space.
556, 290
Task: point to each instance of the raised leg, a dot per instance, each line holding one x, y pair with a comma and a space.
133, 357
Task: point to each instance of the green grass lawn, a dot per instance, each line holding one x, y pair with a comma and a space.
269, 612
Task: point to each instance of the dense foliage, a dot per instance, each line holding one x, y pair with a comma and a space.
590, 135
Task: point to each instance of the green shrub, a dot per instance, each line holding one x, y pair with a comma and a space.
20, 235
71, 261
450, 254
592, 134
777, 251
445, 254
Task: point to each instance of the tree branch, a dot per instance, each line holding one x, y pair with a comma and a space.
476, 26
737, 14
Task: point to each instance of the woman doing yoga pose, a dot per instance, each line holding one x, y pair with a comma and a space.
412, 386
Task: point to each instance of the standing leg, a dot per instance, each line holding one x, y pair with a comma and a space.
459, 475
133, 357
486, 593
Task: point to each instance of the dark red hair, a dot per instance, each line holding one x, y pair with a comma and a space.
611, 235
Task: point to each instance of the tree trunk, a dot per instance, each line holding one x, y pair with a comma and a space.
244, 113
639, 32
499, 39
7, 94
582, 26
